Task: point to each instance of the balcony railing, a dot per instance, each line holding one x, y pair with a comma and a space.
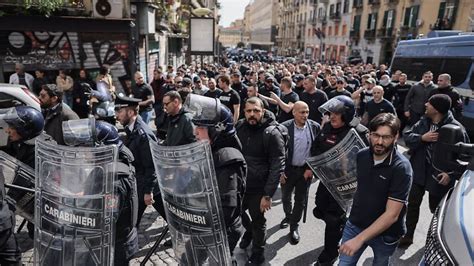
312, 21
324, 1
392, 1
354, 33
358, 4
374, 2
369, 34
323, 20
385, 33
335, 16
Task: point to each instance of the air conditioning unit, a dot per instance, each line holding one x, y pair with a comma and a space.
107, 8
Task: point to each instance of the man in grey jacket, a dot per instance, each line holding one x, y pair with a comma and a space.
417, 97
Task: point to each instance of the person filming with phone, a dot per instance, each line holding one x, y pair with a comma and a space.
420, 140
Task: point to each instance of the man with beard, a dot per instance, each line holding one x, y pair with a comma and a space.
420, 139
341, 113
264, 151
384, 178
298, 79
213, 91
238, 86
54, 111
331, 84
266, 90
340, 89
139, 134
444, 87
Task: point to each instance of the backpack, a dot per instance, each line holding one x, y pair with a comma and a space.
283, 131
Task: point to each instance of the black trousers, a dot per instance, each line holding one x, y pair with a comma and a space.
295, 182
255, 225
414, 202
10, 253
158, 205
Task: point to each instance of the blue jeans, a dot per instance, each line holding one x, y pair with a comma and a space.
383, 246
146, 116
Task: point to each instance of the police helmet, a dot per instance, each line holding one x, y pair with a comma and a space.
341, 105
89, 132
27, 121
209, 112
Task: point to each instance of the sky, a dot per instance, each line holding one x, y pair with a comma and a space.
231, 10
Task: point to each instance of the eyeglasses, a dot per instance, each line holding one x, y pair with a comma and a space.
385, 138
166, 104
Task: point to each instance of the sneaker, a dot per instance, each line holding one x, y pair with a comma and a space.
326, 260
405, 242
284, 223
257, 258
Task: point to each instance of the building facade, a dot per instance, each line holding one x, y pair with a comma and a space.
262, 22
378, 25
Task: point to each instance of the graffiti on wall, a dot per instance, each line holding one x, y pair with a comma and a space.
66, 50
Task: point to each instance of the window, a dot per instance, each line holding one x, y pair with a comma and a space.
389, 19
336, 29
356, 25
329, 31
411, 15
346, 6
344, 30
372, 21
331, 9
338, 8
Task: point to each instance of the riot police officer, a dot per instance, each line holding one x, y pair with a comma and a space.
341, 119
217, 127
24, 124
9, 251
125, 216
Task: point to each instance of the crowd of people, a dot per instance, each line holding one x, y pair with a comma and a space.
275, 116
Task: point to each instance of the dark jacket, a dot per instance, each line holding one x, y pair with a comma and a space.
314, 129
180, 129
138, 143
126, 237
327, 139
22, 151
417, 97
54, 118
421, 154
265, 162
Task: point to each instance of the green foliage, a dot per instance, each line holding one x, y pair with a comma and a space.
44, 7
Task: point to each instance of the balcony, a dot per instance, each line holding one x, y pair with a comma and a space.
335, 16
392, 2
369, 34
407, 32
354, 33
323, 20
385, 33
323, 1
358, 4
312, 21
374, 2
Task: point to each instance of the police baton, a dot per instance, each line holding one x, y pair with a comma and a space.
308, 184
155, 246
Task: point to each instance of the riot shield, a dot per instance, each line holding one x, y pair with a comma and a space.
17, 173
75, 203
191, 198
337, 169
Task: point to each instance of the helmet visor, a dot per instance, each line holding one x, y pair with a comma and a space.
79, 132
333, 106
9, 116
204, 110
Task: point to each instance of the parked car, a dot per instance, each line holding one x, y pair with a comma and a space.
14, 95
450, 239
